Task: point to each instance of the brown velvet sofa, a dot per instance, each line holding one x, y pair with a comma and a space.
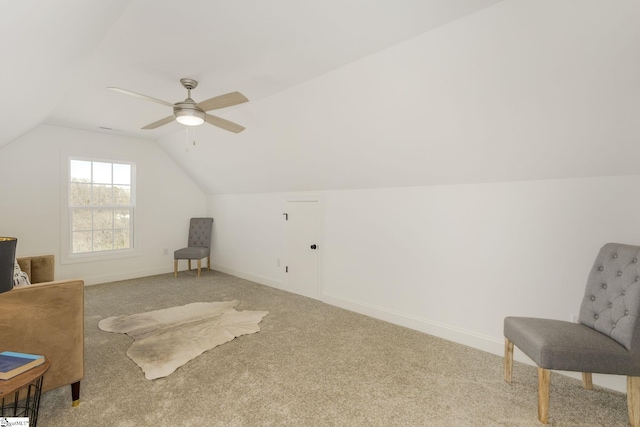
47, 318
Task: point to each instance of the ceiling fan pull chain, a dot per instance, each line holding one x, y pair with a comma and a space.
191, 136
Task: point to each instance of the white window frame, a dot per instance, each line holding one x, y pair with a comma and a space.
67, 257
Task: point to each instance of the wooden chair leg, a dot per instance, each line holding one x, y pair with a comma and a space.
189, 264
633, 400
508, 359
199, 266
175, 268
209, 263
543, 395
587, 380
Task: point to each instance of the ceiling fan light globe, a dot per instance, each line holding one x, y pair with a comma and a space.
190, 120
189, 117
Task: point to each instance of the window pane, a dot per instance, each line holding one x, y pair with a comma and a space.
122, 218
101, 200
80, 171
121, 174
122, 239
103, 240
81, 242
81, 219
121, 195
79, 194
103, 219
102, 195
102, 173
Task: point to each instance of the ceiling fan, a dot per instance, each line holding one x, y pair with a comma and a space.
190, 113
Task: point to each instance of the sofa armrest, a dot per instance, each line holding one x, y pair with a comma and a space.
39, 268
47, 319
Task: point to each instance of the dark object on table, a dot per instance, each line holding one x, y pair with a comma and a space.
7, 261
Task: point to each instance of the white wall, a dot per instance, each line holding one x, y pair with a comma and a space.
248, 236
511, 114
523, 90
30, 199
452, 261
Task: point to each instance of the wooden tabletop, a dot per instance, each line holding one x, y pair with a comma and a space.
10, 386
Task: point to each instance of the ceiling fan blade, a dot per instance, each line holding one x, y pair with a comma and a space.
222, 101
224, 124
160, 123
138, 95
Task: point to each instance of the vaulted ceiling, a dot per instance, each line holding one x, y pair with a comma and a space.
343, 94
61, 56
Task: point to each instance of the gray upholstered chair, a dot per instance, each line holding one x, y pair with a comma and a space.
199, 244
605, 340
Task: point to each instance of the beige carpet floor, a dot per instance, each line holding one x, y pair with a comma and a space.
311, 364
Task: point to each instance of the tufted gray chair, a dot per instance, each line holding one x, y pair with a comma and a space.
199, 244
605, 340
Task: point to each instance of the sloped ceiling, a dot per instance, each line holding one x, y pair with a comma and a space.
62, 54
45, 46
343, 94
523, 90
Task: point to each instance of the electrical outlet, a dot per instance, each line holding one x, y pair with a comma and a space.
278, 262
165, 251
574, 318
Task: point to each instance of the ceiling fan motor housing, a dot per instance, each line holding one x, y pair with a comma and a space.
188, 113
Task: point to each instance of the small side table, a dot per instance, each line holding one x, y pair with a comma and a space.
20, 396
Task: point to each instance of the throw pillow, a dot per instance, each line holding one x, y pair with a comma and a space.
20, 278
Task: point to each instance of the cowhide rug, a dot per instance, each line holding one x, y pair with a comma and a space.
167, 339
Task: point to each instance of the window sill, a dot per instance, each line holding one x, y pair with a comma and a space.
99, 256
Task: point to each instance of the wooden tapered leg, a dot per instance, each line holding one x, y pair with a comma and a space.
543, 395
587, 380
633, 400
508, 359
75, 393
175, 268
209, 263
189, 264
199, 266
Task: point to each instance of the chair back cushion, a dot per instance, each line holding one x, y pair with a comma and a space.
200, 232
611, 303
39, 268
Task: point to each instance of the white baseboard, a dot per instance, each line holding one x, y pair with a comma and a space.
95, 280
274, 283
441, 330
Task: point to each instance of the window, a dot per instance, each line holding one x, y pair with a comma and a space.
101, 198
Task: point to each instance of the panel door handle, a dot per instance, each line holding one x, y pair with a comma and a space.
314, 246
